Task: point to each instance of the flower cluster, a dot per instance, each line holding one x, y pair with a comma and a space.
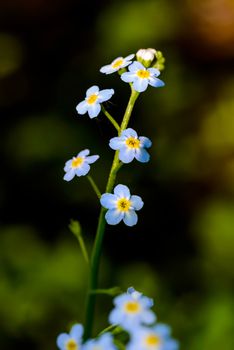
132, 312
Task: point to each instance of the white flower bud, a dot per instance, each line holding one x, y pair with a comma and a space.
146, 56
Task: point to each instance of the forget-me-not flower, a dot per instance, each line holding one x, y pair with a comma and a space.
117, 64
121, 206
141, 77
104, 342
132, 309
155, 338
79, 165
94, 97
131, 146
71, 341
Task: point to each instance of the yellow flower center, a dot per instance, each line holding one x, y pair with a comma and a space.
132, 307
71, 345
76, 162
92, 99
123, 204
118, 63
131, 142
152, 340
143, 73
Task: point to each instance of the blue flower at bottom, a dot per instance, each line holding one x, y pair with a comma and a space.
131, 146
155, 338
104, 342
71, 341
132, 309
121, 206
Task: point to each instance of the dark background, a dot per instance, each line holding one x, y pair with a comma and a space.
181, 250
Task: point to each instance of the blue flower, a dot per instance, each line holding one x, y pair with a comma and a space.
71, 341
104, 342
121, 206
92, 101
79, 165
141, 77
132, 309
155, 338
117, 64
131, 146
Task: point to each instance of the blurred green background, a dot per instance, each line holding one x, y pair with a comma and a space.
181, 252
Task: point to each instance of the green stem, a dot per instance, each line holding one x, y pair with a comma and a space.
111, 119
96, 252
94, 186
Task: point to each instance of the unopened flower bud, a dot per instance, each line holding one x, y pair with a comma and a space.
146, 56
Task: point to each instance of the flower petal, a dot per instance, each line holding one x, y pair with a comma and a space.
83, 169
128, 77
94, 110
82, 107
92, 90
145, 142
137, 202
108, 200
126, 155
92, 159
129, 57
105, 95
163, 330
61, 340
122, 191
106, 69
154, 71
113, 216
142, 155
140, 84
155, 82
83, 153
148, 317
129, 132
116, 143
77, 331
135, 66
69, 175
67, 165
130, 218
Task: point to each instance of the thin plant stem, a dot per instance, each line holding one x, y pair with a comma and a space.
96, 252
94, 186
111, 119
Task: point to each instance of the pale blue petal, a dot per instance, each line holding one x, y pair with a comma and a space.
106, 69
129, 132
91, 159
131, 290
171, 344
122, 191
105, 95
128, 77
145, 141
82, 170
115, 316
77, 331
163, 330
67, 165
82, 107
108, 200
69, 175
94, 110
83, 153
154, 71
155, 82
147, 302
117, 143
142, 155
92, 90
125, 64
140, 84
120, 299
126, 155
148, 317
137, 202
113, 216
135, 66
129, 57
130, 218
61, 340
